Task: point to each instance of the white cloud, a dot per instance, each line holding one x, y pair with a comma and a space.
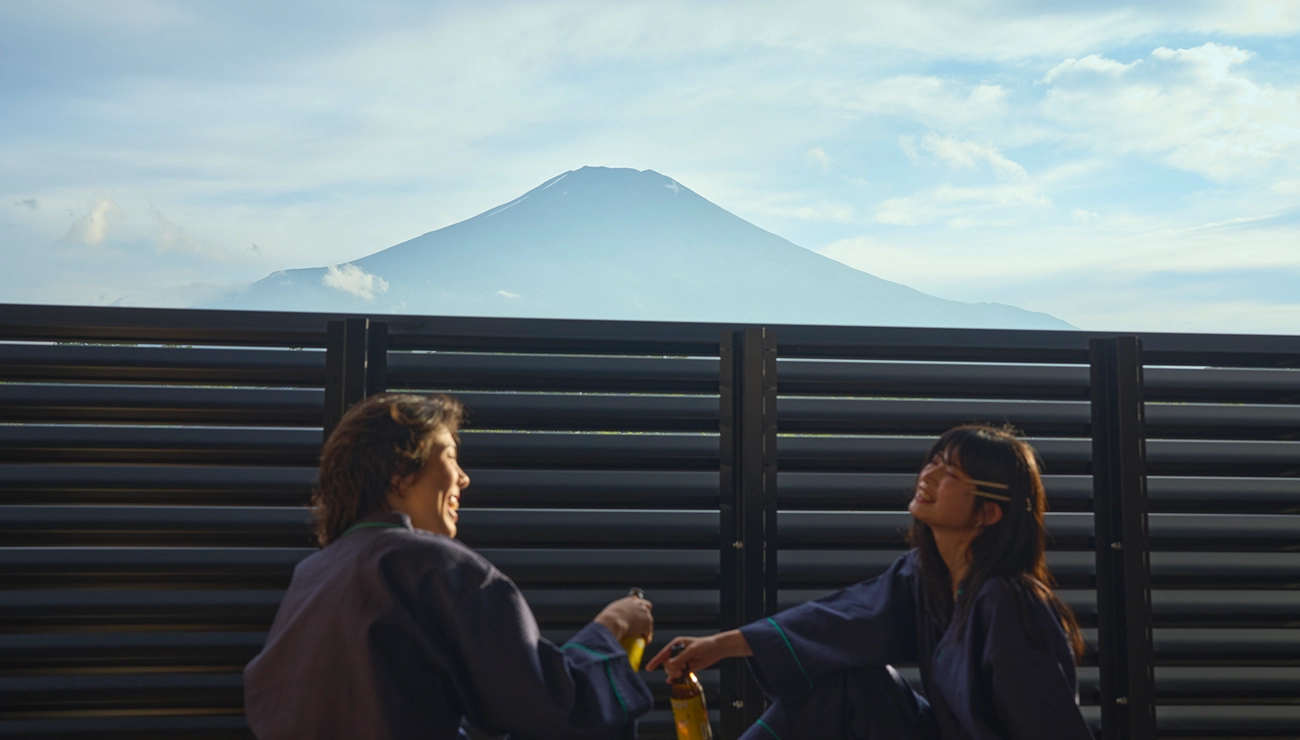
1192, 109
1091, 63
507, 294
1287, 187
818, 158
355, 281
1084, 215
92, 228
957, 154
172, 238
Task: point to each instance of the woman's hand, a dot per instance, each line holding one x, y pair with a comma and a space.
630, 615
700, 652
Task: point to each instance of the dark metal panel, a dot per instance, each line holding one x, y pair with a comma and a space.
557, 373
1222, 384
81, 652
110, 727
132, 444
1216, 421
1223, 457
933, 380
827, 568
1246, 570
929, 417
73, 404
1272, 722
104, 610
597, 489
355, 366
573, 412
1237, 646
34, 696
904, 454
155, 484
1127, 685
1235, 608
1225, 495
157, 365
825, 530
892, 491
748, 420
606, 451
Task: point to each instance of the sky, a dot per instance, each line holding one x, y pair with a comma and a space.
1121, 167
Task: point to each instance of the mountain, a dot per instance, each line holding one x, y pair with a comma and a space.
601, 243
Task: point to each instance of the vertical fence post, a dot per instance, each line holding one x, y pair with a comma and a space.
747, 466
1122, 543
356, 365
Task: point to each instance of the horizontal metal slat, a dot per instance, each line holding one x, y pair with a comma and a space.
159, 365
574, 412
904, 454
195, 526
893, 491
459, 372
54, 609
932, 380
155, 484
32, 696
139, 444
1273, 722
111, 727
212, 567
824, 530
799, 414
1198, 646
75, 404
1225, 385
81, 652
302, 447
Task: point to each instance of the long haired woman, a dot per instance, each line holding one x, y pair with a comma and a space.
971, 603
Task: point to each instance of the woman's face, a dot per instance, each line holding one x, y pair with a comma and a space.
431, 497
944, 497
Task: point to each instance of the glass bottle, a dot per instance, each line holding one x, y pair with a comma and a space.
634, 644
689, 712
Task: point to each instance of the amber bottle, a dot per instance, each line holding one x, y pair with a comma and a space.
689, 712
634, 644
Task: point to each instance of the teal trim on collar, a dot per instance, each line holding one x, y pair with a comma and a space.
767, 727
797, 662
385, 525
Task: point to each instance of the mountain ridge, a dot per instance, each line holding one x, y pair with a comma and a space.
604, 243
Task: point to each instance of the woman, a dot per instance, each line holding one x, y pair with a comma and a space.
971, 603
395, 630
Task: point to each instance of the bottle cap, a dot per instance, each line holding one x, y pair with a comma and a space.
676, 649
634, 591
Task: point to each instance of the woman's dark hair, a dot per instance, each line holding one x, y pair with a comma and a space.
385, 437
1013, 548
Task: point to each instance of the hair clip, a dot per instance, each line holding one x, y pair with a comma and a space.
994, 496
1029, 505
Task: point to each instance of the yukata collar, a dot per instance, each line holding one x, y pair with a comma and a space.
381, 520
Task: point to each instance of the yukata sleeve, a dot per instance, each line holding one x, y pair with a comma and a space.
1035, 693
871, 623
514, 681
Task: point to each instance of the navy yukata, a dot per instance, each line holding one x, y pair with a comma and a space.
392, 632
825, 665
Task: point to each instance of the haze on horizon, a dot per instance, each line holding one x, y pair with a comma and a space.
1119, 168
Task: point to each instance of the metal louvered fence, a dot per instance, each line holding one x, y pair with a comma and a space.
155, 466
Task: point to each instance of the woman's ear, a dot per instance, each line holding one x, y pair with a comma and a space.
397, 487
990, 514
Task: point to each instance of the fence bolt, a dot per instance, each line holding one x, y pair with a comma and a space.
738, 544
1121, 700
738, 704
1117, 545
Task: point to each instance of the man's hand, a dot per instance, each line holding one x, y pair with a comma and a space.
628, 616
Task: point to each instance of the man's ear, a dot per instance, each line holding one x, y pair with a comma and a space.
397, 486
990, 513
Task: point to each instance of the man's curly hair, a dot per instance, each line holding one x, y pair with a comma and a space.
387, 436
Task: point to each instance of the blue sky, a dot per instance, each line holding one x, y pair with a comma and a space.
1122, 168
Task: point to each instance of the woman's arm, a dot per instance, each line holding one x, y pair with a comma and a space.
700, 652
